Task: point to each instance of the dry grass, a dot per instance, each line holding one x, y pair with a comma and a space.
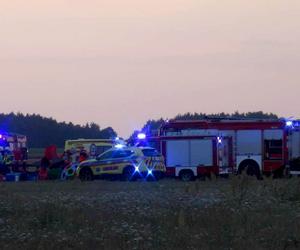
240, 213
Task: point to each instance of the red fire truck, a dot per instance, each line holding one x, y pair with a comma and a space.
224, 146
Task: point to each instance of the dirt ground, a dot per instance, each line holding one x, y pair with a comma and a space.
169, 214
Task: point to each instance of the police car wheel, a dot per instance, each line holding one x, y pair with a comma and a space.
86, 175
128, 174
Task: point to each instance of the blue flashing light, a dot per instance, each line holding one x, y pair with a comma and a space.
117, 139
297, 124
119, 146
289, 123
141, 136
1, 136
219, 140
137, 169
149, 171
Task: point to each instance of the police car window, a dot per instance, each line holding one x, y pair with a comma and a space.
151, 152
107, 155
102, 149
122, 153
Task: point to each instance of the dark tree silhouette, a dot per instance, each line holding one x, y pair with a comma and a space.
42, 131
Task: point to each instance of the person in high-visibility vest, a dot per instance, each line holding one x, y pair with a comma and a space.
8, 158
2, 167
1, 156
6, 161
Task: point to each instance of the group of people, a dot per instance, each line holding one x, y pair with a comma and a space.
64, 166
11, 162
73, 155
51, 165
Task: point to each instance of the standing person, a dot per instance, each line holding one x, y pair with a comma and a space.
67, 157
8, 160
83, 156
70, 169
73, 155
43, 171
2, 166
2, 172
5, 162
1, 156
93, 151
17, 153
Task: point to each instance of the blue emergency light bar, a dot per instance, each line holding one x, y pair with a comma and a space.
292, 124
297, 124
141, 136
120, 146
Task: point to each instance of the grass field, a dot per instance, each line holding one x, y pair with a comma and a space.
240, 213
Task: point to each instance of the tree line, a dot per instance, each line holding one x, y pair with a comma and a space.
42, 132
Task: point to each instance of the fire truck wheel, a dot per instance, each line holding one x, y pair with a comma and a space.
86, 175
251, 168
128, 174
186, 175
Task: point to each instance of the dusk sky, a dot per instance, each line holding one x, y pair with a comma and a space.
119, 63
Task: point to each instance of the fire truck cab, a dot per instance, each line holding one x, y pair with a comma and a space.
223, 146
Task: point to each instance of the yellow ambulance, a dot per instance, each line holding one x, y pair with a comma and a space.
93, 147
